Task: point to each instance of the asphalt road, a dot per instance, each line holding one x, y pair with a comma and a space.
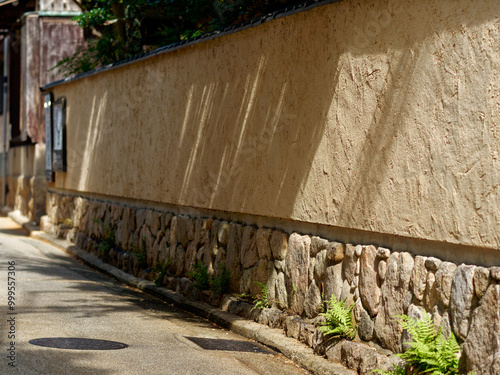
54, 296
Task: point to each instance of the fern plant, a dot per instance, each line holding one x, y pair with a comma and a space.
108, 240
160, 271
339, 321
141, 253
263, 299
220, 284
429, 352
200, 276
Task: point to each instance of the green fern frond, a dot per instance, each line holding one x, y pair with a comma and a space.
200, 276
263, 299
429, 351
339, 322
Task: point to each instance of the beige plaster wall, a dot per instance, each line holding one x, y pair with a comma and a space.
379, 116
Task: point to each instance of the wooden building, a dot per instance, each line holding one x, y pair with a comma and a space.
34, 37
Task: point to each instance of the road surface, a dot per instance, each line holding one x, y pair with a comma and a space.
54, 299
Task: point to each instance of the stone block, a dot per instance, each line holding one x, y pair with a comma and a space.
297, 270
292, 326
202, 231
388, 329
178, 260
249, 253
433, 264
366, 326
317, 244
333, 282
279, 245
165, 219
320, 266
481, 349
462, 300
482, 280
382, 269
335, 252
444, 280
369, 289
260, 275
190, 257
263, 243
281, 294
383, 253
349, 263
223, 233
140, 218
313, 302
233, 255
419, 278
154, 221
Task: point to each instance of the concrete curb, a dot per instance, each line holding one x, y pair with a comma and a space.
273, 338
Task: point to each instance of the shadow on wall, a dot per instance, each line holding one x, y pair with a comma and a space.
422, 77
215, 129
237, 123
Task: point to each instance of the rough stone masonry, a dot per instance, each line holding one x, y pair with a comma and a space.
299, 271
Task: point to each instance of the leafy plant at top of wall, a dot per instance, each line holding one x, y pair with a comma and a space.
118, 30
339, 321
429, 351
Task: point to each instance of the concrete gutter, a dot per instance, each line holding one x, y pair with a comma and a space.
273, 338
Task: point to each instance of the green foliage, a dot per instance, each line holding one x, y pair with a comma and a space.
220, 283
262, 299
95, 17
108, 240
200, 276
396, 370
141, 253
68, 222
85, 58
429, 352
203, 280
120, 29
322, 308
339, 321
160, 271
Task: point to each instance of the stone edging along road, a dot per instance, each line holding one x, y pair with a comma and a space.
273, 338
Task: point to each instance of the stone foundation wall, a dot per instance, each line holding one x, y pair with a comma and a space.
299, 270
27, 195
